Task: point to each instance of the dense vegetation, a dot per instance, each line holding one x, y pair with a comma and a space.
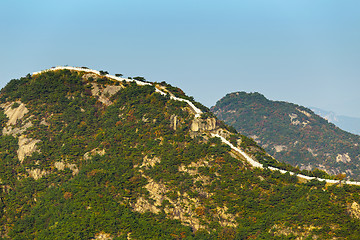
111, 146
291, 133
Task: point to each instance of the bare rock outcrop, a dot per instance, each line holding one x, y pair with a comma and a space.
44, 122
111, 90
14, 131
199, 124
224, 133
354, 210
103, 236
280, 148
182, 208
193, 170
301, 233
14, 113
27, 146
343, 158
293, 119
36, 173
93, 152
148, 161
225, 219
104, 94
173, 121
62, 165
142, 205
304, 112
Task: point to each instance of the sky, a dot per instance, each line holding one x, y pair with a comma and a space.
301, 51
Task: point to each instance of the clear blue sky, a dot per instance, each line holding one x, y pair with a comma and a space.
302, 51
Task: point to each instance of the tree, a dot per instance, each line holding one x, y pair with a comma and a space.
340, 176
140, 78
118, 75
103, 72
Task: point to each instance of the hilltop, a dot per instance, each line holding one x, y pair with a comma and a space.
87, 155
291, 133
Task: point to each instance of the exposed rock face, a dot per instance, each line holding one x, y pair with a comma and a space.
14, 114
182, 210
181, 206
111, 90
36, 173
103, 236
90, 75
104, 94
93, 152
150, 161
43, 122
312, 152
306, 167
144, 119
343, 158
173, 121
62, 165
280, 148
10, 130
225, 219
304, 112
293, 119
224, 133
354, 210
301, 233
142, 205
27, 146
192, 169
199, 124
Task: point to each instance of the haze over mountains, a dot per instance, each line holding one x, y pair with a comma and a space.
84, 155
350, 124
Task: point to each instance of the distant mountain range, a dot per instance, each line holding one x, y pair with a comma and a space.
350, 124
291, 133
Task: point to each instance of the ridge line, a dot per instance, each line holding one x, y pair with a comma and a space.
198, 112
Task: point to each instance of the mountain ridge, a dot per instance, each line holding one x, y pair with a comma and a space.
88, 157
282, 127
198, 113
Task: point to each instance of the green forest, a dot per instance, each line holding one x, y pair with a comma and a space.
128, 153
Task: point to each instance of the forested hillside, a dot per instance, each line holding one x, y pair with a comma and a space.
83, 156
292, 134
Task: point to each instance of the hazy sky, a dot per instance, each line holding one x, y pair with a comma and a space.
301, 51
